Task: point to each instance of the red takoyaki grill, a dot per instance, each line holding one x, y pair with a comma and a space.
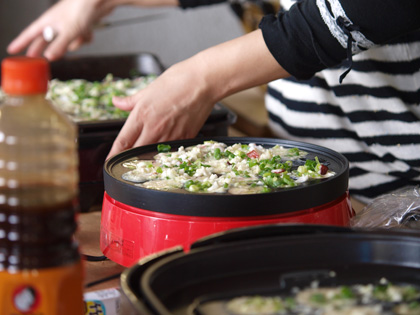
137, 222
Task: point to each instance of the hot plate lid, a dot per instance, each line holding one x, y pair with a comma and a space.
226, 205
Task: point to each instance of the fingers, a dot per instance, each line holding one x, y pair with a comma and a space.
37, 45
148, 136
127, 136
71, 39
79, 41
133, 127
24, 39
133, 132
157, 117
58, 47
125, 103
75, 44
69, 20
36, 48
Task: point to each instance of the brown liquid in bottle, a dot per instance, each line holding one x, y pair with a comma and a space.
40, 267
36, 237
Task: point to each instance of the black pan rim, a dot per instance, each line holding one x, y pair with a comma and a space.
212, 205
227, 118
352, 240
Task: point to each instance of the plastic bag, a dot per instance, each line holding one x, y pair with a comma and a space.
399, 209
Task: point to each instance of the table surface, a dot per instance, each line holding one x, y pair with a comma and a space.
88, 238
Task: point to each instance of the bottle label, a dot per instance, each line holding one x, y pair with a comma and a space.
46, 291
26, 299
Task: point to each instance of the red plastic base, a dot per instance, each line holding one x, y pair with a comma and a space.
129, 234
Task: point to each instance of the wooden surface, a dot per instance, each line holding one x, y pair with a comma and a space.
357, 205
88, 237
252, 117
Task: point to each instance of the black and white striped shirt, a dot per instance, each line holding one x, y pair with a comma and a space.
372, 117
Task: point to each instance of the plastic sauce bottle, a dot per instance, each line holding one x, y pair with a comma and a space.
40, 266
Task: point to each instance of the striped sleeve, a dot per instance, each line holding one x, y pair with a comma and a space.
373, 117
318, 34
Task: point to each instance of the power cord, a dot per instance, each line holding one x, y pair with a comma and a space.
111, 277
94, 258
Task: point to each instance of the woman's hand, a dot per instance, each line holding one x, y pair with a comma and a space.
177, 104
72, 22
174, 106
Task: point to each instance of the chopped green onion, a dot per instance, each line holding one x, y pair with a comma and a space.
217, 154
318, 298
293, 152
163, 147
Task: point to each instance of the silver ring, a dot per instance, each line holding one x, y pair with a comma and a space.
49, 34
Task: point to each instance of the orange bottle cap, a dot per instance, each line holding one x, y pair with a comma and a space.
25, 75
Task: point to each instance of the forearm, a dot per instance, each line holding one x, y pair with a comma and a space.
236, 65
143, 3
178, 102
